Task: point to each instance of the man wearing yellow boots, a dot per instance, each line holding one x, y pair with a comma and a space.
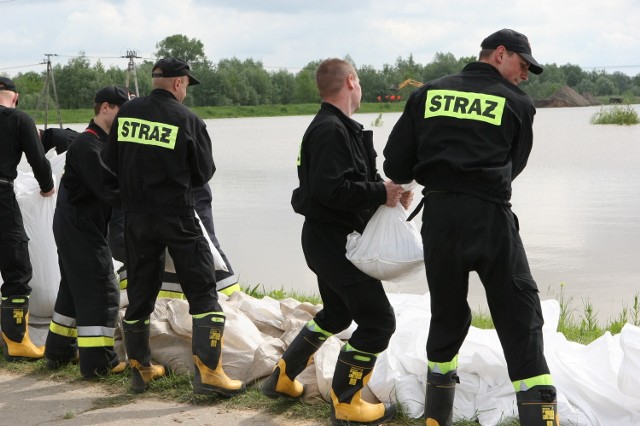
339, 191
160, 150
19, 135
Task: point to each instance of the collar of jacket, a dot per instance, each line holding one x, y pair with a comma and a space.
481, 66
164, 93
350, 123
102, 135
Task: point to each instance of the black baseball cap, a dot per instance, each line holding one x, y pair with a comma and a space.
116, 95
173, 67
514, 42
7, 84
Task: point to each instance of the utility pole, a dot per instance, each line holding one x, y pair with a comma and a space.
49, 81
131, 54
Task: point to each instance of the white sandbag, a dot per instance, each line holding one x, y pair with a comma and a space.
629, 373
37, 214
390, 248
218, 261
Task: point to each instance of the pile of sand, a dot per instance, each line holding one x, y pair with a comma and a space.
567, 97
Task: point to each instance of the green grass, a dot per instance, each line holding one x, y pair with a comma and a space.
616, 114
578, 325
84, 115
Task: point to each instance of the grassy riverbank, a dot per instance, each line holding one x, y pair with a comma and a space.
84, 115
577, 324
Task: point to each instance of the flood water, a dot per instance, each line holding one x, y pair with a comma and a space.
578, 203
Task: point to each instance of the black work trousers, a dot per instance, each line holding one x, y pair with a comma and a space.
88, 291
460, 234
146, 238
15, 264
348, 294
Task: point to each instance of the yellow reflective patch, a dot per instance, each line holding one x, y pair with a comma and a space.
95, 342
147, 132
299, 160
465, 106
62, 330
526, 384
166, 294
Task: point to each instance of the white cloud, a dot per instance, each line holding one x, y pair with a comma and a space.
291, 33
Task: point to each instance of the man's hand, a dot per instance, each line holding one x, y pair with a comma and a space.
394, 192
406, 199
48, 194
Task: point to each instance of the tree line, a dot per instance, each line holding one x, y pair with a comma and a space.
232, 81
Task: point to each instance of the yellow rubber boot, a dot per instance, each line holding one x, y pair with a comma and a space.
353, 371
14, 320
141, 374
119, 368
278, 384
136, 337
282, 381
209, 377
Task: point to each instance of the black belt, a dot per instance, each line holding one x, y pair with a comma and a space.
6, 182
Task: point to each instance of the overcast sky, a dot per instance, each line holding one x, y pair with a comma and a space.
290, 34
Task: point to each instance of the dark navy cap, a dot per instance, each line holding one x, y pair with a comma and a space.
514, 42
173, 67
116, 95
7, 84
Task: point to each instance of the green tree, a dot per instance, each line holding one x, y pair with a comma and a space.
284, 85
573, 74
306, 91
29, 86
181, 46
77, 83
373, 84
443, 64
604, 86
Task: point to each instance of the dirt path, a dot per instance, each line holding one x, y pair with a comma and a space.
29, 400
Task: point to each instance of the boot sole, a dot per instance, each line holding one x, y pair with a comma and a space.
388, 416
54, 364
202, 389
11, 358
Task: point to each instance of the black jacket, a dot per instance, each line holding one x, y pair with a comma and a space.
18, 134
86, 179
469, 132
339, 182
159, 149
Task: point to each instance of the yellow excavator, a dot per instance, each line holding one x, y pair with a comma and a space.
407, 82
396, 88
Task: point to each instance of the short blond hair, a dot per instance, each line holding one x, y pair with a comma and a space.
331, 75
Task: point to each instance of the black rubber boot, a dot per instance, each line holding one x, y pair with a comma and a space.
136, 337
538, 406
60, 350
282, 381
14, 321
440, 392
210, 378
353, 371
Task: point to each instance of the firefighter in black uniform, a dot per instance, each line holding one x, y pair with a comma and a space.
160, 150
339, 191
85, 315
465, 137
19, 135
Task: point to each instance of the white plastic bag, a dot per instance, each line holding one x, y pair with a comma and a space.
390, 248
218, 261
